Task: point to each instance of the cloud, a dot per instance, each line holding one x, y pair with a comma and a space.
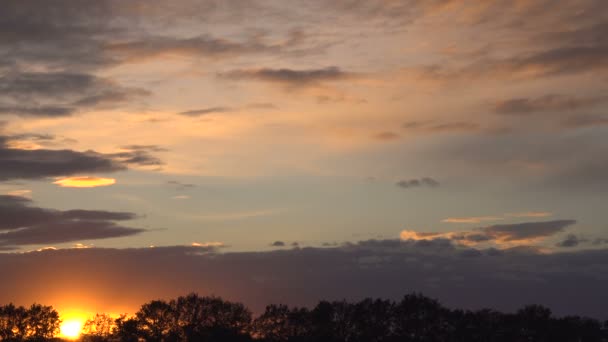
32, 164
289, 77
16, 163
570, 241
414, 183
530, 214
84, 182
452, 274
54, 94
20, 193
23, 224
181, 186
551, 62
524, 233
278, 244
471, 219
201, 46
140, 155
206, 111
479, 219
547, 103
441, 127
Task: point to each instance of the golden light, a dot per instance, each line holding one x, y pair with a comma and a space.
71, 328
84, 182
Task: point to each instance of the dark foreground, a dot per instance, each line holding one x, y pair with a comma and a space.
414, 318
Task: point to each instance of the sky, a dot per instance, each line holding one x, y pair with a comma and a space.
291, 151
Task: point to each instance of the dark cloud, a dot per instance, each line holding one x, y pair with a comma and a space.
546, 103
138, 155
568, 60
414, 183
16, 163
457, 276
57, 34
32, 164
524, 233
290, 77
181, 186
41, 111
571, 241
23, 224
526, 230
564, 41
206, 111
278, 244
202, 46
69, 43
68, 35
53, 94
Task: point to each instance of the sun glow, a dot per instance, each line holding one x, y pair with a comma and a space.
71, 328
84, 182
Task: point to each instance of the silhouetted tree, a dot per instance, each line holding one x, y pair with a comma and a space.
415, 318
372, 320
156, 321
38, 323
279, 323
210, 318
99, 328
126, 329
13, 323
42, 322
419, 318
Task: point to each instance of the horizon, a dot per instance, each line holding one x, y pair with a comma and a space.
294, 151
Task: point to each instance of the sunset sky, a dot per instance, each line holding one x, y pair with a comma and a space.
288, 151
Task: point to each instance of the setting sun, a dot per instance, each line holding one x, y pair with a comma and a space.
71, 328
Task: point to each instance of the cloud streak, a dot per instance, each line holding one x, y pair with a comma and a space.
16, 163
23, 224
416, 183
524, 233
289, 77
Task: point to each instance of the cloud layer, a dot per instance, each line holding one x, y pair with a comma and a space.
457, 276
23, 224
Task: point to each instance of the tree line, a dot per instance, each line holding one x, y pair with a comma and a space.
415, 318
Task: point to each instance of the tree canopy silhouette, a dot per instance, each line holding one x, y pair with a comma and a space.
414, 318
36, 323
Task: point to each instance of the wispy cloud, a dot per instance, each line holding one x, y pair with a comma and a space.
415, 183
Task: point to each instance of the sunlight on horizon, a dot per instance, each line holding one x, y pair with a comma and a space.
71, 327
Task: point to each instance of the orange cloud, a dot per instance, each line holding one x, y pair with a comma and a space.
504, 235
208, 244
20, 193
84, 182
413, 235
